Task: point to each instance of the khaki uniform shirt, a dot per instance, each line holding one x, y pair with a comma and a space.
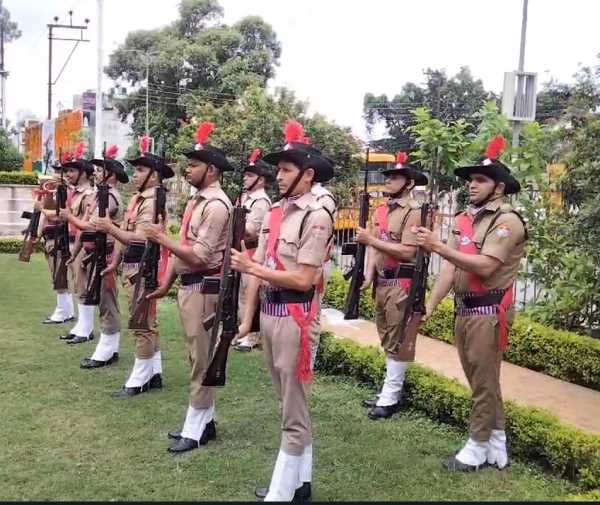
83, 196
298, 247
115, 209
258, 204
208, 228
403, 215
325, 198
143, 210
505, 241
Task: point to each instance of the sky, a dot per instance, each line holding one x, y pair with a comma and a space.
333, 51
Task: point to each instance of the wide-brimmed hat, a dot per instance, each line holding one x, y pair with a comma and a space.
401, 168
207, 153
73, 160
112, 165
299, 151
152, 161
259, 167
492, 167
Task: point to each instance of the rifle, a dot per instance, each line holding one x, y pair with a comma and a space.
99, 263
147, 277
357, 273
61, 239
31, 234
415, 304
225, 317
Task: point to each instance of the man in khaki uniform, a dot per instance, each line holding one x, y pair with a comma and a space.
64, 311
255, 199
482, 259
326, 199
107, 171
392, 242
286, 267
150, 171
79, 173
199, 253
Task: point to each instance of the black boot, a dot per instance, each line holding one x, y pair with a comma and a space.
156, 381
379, 412
89, 363
369, 403
81, 340
126, 392
68, 336
454, 465
303, 493
184, 444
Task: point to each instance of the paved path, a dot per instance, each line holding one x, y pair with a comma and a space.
575, 405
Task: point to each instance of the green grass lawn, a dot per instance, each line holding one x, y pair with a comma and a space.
64, 438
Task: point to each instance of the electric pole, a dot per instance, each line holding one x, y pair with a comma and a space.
3, 74
519, 95
51, 37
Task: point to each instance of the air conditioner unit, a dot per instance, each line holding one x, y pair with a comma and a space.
519, 96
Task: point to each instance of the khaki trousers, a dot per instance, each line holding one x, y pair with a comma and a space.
147, 342
253, 337
109, 311
477, 343
281, 345
390, 305
194, 308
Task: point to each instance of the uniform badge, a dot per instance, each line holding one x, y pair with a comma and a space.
503, 231
270, 263
464, 240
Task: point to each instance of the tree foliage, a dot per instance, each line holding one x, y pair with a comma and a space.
448, 99
10, 158
195, 56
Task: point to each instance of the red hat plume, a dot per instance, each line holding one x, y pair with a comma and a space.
294, 132
255, 156
495, 147
203, 132
401, 157
144, 144
111, 152
66, 157
79, 148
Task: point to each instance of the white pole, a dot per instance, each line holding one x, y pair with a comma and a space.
520, 80
98, 137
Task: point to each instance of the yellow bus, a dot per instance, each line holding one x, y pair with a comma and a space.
347, 217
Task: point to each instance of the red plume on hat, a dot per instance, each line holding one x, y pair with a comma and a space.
495, 147
294, 132
144, 144
79, 148
111, 152
202, 133
401, 159
255, 156
66, 157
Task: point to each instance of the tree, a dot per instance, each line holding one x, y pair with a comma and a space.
10, 28
256, 120
196, 56
10, 158
449, 100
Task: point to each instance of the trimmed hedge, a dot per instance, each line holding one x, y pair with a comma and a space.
13, 245
534, 434
561, 354
20, 178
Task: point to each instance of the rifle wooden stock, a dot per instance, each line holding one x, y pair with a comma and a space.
147, 277
225, 317
415, 304
31, 235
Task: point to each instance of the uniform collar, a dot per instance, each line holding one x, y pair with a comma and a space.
80, 188
148, 193
491, 206
398, 202
210, 191
302, 202
257, 193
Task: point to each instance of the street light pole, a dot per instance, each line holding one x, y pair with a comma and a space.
147, 95
520, 78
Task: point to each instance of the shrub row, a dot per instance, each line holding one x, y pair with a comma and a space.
562, 354
13, 245
535, 435
22, 178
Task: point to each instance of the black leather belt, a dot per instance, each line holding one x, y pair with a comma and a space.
287, 295
251, 243
196, 277
400, 272
51, 232
473, 300
134, 252
88, 236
